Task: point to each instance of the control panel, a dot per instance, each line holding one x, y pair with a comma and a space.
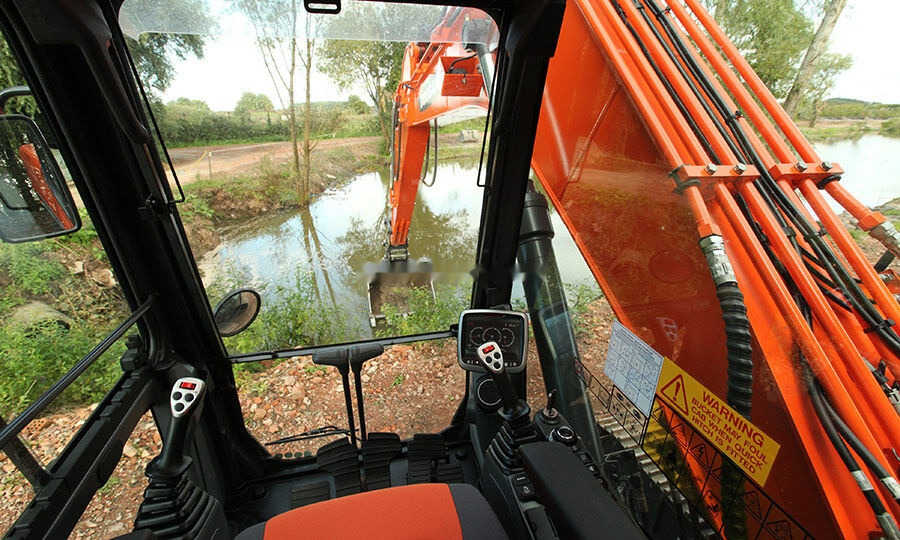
507, 329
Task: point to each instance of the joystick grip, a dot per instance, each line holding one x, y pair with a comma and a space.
491, 357
184, 400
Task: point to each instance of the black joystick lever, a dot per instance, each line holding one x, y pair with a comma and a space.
184, 400
345, 359
549, 414
492, 359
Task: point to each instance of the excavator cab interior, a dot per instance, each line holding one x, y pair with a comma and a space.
633, 126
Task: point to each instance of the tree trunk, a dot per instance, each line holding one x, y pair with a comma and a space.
292, 115
819, 43
307, 111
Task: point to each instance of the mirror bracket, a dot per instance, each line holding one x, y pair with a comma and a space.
154, 209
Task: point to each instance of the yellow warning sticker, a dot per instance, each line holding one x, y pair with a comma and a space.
746, 445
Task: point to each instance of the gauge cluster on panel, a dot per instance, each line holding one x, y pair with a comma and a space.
509, 329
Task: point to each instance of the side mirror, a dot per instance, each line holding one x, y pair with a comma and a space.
236, 311
35, 202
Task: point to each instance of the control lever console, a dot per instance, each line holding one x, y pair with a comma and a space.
491, 357
507, 330
184, 400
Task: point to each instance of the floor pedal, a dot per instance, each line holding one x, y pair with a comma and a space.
423, 451
309, 493
341, 460
378, 450
448, 473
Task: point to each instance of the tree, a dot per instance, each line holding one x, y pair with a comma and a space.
250, 102
11, 76
771, 34
153, 55
376, 64
357, 105
828, 67
278, 39
813, 63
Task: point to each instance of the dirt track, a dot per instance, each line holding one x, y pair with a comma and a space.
204, 162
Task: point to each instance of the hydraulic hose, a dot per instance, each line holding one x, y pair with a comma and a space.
740, 352
731, 300
884, 476
888, 525
775, 197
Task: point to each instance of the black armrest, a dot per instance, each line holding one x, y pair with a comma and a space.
575, 500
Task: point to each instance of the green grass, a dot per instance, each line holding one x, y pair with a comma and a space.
33, 359
110, 485
294, 315
35, 354
424, 313
891, 128
857, 234
835, 133
312, 370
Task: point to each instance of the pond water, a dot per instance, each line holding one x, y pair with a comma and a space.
872, 165
344, 228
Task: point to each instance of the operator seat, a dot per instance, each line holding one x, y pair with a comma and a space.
406, 512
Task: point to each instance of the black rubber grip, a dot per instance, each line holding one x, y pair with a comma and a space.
353, 355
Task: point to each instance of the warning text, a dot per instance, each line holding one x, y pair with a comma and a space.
750, 448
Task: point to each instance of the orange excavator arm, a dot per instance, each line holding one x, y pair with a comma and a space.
687, 187
438, 78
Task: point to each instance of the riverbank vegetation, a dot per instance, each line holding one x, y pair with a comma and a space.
58, 299
842, 119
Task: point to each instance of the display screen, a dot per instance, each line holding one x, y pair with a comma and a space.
509, 329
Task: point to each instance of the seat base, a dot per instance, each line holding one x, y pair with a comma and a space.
405, 512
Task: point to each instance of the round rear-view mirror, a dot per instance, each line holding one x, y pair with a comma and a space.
236, 311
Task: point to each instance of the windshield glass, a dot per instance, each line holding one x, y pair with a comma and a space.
330, 162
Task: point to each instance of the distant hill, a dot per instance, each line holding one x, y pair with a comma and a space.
854, 108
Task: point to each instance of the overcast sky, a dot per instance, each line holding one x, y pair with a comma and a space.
868, 30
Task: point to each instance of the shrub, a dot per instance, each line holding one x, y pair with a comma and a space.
32, 359
418, 312
292, 316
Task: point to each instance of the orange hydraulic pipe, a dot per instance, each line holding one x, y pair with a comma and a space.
883, 298
754, 82
765, 126
801, 413
637, 87
652, 120
868, 394
761, 149
867, 218
771, 135
806, 340
680, 85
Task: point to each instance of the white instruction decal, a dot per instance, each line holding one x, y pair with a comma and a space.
633, 366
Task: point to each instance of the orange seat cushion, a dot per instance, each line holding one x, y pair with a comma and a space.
407, 512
